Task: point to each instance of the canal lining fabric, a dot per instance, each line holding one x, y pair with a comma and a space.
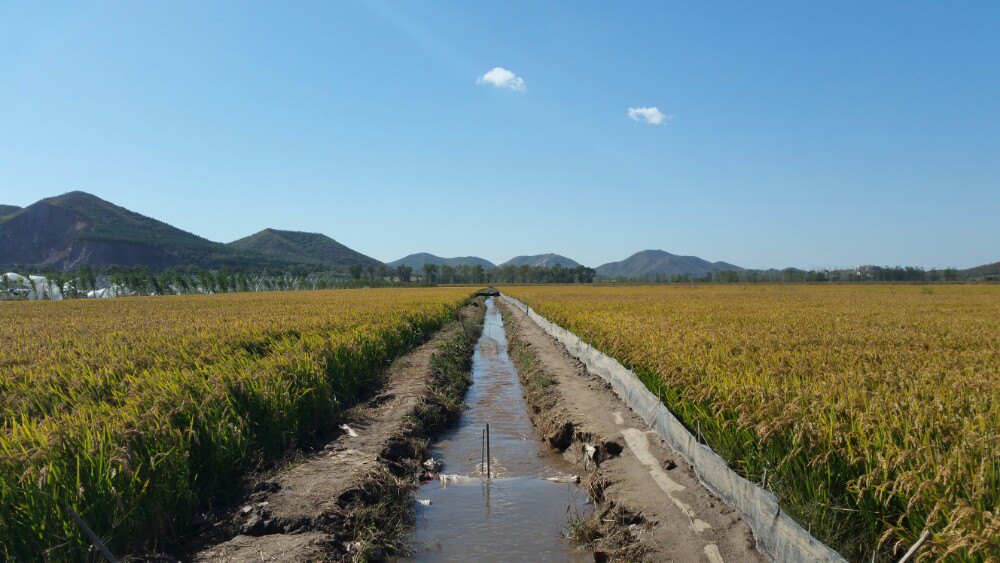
778, 536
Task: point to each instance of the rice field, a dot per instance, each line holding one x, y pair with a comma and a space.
136, 412
872, 412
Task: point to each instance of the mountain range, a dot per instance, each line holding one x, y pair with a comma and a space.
645, 263
77, 228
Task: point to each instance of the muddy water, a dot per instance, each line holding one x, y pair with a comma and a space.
518, 513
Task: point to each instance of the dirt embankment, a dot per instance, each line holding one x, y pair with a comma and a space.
351, 499
649, 504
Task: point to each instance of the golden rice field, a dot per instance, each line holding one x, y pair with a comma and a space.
875, 410
136, 412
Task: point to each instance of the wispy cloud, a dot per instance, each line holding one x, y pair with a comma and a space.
652, 115
502, 78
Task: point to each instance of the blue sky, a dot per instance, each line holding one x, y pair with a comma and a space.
793, 134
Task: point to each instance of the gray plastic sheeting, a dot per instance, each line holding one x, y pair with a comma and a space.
778, 536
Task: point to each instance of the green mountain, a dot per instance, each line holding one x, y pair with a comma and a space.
297, 247
542, 260
417, 261
651, 262
7, 210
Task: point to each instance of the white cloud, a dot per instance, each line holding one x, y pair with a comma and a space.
651, 115
502, 78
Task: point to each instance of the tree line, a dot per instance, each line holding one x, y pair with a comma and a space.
474, 274
793, 275
123, 281
120, 280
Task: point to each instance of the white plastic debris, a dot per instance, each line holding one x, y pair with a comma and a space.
248, 508
352, 547
564, 479
350, 431
454, 479
424, 502
433, 465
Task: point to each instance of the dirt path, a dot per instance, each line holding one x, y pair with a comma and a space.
649, 503
352, 498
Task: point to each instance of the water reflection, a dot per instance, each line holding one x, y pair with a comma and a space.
516, 515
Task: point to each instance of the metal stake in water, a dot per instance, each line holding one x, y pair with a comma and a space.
487, 451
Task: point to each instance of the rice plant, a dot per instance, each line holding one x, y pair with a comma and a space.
872, 412
136, 412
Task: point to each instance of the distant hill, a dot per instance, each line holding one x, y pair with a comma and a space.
293, 247
542, 260
417, 261
8, 209
652, 262
984, 272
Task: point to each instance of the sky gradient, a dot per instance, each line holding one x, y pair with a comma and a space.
784, 134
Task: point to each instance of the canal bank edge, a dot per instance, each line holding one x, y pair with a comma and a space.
353, 500
649, 503
777, 536
606, 530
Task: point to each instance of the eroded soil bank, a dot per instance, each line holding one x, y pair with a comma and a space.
519, 513
649, 504
352, 499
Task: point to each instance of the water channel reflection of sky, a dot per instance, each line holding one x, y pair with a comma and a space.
517, 515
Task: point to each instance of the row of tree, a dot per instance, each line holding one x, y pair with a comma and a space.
142, 281
539, 274
475, 274
898, 273
793, 275
145, 282
119, 280
429, 273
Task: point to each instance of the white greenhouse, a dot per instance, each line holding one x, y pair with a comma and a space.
28, 287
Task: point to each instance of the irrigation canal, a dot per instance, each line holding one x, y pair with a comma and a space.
520, 511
